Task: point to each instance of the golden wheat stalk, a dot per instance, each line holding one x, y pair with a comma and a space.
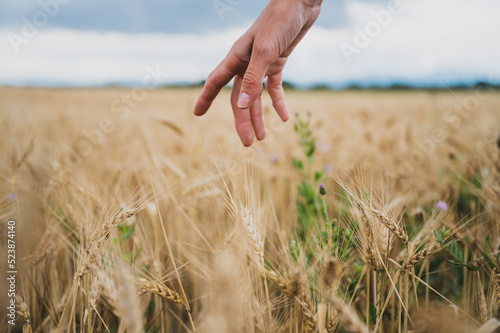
253, 236
349, 319
99, 239
47, 245
294, 289
496, 271
278, 281
333, 321
395, 228
420, 256
118, 290
321, 316
371, 252
330, 275
330, 272
383, 218
481, 301
25, 155
150, 286
22, 310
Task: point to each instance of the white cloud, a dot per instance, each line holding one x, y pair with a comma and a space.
427, 40
88, 57
455, 39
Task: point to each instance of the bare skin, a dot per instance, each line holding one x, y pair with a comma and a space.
259, 54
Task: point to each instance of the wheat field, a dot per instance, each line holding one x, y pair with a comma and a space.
368, 211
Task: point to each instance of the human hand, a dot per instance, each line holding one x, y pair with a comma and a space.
261, 52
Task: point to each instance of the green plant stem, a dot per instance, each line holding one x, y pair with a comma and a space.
368, 297
325, 211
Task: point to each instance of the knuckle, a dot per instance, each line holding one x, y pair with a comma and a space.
263, 50
241, 125
251, 80
277, 87
277, 103
212, 78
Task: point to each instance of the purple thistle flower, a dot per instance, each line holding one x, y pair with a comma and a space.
322, 189
12, 196
442, 206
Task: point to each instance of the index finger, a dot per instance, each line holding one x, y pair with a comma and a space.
215, 82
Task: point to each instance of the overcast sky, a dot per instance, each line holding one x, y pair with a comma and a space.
91, 42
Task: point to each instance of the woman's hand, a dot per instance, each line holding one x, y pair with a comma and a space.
261, 52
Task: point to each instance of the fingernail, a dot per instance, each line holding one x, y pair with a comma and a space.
243, 100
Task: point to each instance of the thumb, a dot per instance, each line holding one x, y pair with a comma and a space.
253, 79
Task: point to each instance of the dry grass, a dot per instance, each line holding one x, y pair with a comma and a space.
134, 216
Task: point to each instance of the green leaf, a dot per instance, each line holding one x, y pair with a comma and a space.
486, 253
150, 307
455, 251
137, 254
438, 236
373, 313
298, 164
306, 191
130, 231
295, 250
324, 236
473, 268
478, 181
469, 267
310, 149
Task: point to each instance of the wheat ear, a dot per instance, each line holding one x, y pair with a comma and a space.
22, 310
333, 321
150, 286
253, 236
481, 301
350, 320
372, 256
294, 288
330, 272
496, 271
423, 254
390, 224
99, 239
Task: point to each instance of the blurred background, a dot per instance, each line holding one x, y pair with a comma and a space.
354, 43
